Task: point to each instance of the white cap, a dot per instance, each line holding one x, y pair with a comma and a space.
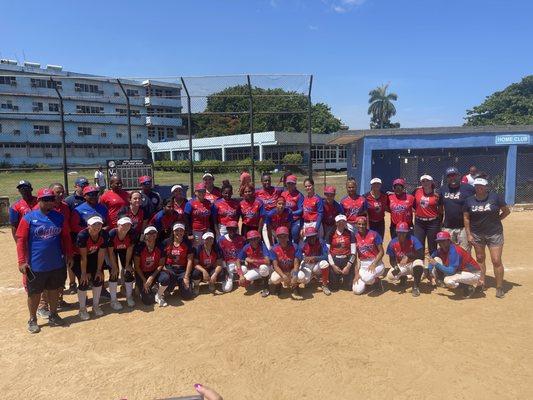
149, 229
178, 225
340, 217
375, 180
207, 174
95, 220
208, 235
175, 187
426, 177
480, 181
124, 220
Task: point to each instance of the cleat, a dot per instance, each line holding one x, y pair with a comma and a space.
63, 305
130, 301
265, 292
500, 293
72, 289
55, 320
33, 327
115, 305
97, 311
415, 292
160, 299
468, 291
105, 294
403, 281
196, 289
211, 287
43, 313
326, 290
296, 295
84, 315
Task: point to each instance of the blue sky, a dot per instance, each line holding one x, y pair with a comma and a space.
440, 57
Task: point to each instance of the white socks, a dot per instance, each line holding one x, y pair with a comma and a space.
113, 290
96, 296
82, 298
161, 290
129, 289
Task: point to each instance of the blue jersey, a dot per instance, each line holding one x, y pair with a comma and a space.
83, 212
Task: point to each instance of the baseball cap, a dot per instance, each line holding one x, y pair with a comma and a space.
149, 229
452, 171
291, 179
90, 189
245, 175
398, 181
330, 190
199, 186
81, 181
124, 220
252, 235
361, 218
95, 219
232, 224
145, 179
311, 231
45, 192
426, 177
23, 183
282, 230
402, 227
208, 235
443, 235
178, 225
375, 180
480, 181
175, 187
208, 175
340, 217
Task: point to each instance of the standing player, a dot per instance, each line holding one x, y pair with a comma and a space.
164, 220
179, 201
459, 268
406, 255
428, 213
353, 204
207, 264
199, 211
115, 199
483, 215
314, 254
331, 209
378, 203
279, 216
150, 199
81, 214
370, 253
254, 262
43, 250
269, 195
230, 246
342, 254
286, 259
313, 207
294, 201
212, 193
135, 213
76, 198
251, 211
225, 209
400, 205
179, 260
469, 178
21, 207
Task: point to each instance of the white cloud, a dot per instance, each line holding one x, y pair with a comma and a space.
344, 6
339, 9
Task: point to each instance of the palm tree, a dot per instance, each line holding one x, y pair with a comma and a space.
381, 106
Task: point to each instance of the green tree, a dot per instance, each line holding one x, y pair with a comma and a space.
511, 106
381, 108
235, 99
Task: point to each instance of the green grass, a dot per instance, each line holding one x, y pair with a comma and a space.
38, 179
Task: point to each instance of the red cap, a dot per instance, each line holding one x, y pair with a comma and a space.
245, 175
402, 227
443, 235
144, 179
90, 189
398, 181
252, 235
330, 190
360, 218
282, 230
232, 224
291, 179
199, 186
311, 231
45, 192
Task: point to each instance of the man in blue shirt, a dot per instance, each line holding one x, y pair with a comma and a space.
77, 198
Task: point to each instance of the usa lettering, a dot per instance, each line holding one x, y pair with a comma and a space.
481, 208
452, 196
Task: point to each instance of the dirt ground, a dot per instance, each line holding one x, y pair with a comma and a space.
392, 346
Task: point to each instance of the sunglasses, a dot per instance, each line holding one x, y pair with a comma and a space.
92, 194
48, 199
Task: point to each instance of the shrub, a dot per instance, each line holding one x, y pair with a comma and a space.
292, 159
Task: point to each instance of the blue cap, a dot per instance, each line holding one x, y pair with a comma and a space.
81, 181
23, 183
452, 170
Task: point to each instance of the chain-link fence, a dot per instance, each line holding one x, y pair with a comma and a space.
524, 175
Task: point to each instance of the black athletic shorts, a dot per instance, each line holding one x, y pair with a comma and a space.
45, 280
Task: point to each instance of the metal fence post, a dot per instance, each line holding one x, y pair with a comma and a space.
251, 116
189, 131
63, 135
130, 147
309, 129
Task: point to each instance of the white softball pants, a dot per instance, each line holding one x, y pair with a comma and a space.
366, 277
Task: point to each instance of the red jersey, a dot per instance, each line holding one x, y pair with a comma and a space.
121, 244
269, 197
313, 209
226, 210
294, 202
200, 214
230, 249
149, 260
85, 241
367, 246
458, 259
205, 259
426, 205
353, 207
377, 207
136, 219
20, 208
401, 208
180, 209
341, 243
330, 212
213, 195
410, 246
251, 212
114, 201
177, 255
257, 256
275, 219
286, 256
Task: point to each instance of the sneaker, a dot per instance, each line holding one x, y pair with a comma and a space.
326, 290
105, 294
440, 283
416, 291
196, 289
97, 311
468, 291
55, 320
403, 281
33, 327
500, 293
63, 305
43, 313
130, 301
296, 295
211, 287
265, 292
378, 285
115, 305
72, 289
160, 299
84, 315
275, 289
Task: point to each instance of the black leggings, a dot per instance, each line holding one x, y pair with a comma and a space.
427, 230
92, 262
128, 276
378, 227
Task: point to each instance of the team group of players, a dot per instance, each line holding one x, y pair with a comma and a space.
276, 236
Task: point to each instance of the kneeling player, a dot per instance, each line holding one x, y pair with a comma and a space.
458, 266
406, 258
230, 246
341, 254
254, 262
207, 264
315, 255
179, 255
122, 241
370, 253
286, 258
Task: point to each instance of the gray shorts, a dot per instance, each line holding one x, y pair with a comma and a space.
488, 240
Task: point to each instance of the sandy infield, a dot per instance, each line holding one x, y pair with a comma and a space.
339, 347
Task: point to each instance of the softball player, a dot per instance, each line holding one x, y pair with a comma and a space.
207, 264
400, 206
225, 209
294, 201
331, 209
179, 202
122, 240
164, 220
179, 260
230, 246
254, 262
314, 254
353, 205
135, 213
342, 254
286, 259
378, 203
251, 211
313, 208
428, 213
212, 192
199, 213
279, 216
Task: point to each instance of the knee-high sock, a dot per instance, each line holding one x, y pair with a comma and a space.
161, 290
129, 288
113, 290
82, 298
417, 274
325, 276
96, 295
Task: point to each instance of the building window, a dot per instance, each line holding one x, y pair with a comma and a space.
41, 129
8, 80
84, 131
103, 134
151, 132
0, 128
80, 109
45, 83
124, 111
132, 92
170, 133
53, 107
160, 134
88, 88
139, 136
37, 106
8, 105
118, 134
16, 131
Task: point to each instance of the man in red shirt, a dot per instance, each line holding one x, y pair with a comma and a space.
115, 199
21, 207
